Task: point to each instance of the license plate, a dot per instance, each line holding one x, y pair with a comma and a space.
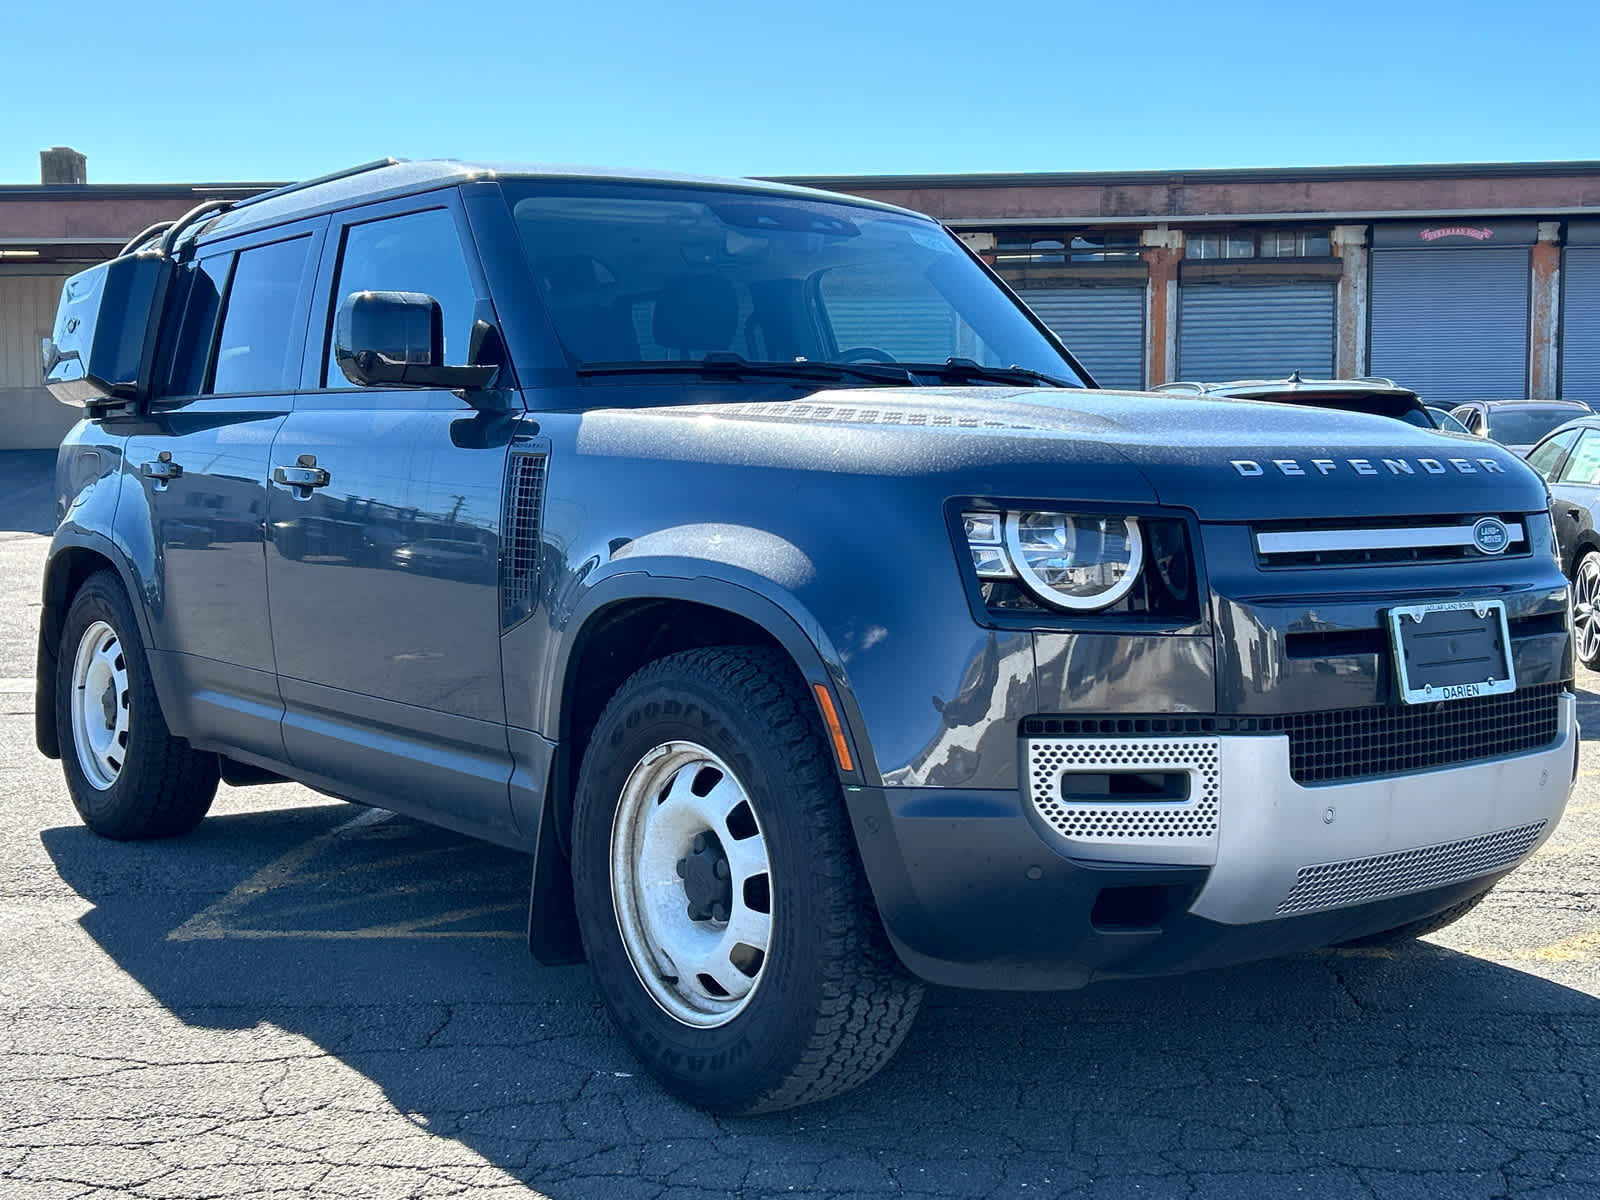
1452, 651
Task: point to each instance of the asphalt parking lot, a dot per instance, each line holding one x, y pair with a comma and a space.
308, 999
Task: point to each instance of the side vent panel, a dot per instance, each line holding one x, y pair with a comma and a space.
519, 537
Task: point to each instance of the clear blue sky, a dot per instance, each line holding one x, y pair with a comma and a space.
159, 91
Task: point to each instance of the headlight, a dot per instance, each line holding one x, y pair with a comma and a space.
1080, 562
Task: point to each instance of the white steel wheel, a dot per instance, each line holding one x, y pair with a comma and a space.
1585, 600
691, 884
100, 703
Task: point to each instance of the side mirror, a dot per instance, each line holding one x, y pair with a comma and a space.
396, 339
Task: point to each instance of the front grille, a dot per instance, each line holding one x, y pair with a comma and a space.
1359, 880
1358, 743
1362, 543
1350, 743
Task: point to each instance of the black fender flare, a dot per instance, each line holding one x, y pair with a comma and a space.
552, 920
52, 616
775, 611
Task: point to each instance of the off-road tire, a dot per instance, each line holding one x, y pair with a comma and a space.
1413, 930
164, 786
833, 1002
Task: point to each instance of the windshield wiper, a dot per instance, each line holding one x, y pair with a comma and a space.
958, 369
734, 366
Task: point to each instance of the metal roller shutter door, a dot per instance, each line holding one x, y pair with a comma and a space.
907, 330
1451, 324
1103, 326
1580, 324
1255, 331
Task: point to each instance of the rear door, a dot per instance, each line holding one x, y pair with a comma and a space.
199, 463
384, 574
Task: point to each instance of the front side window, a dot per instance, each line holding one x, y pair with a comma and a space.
640, 273
1547, 455
257, 350
1584, 465
419, 252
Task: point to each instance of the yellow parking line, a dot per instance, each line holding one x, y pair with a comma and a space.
1580, 947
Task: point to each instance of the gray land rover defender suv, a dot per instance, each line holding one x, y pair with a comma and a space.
752, 558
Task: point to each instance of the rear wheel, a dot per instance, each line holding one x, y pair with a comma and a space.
720, 897
1586, 608
128, 776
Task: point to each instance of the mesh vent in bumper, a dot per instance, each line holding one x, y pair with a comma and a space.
1339, 744
1351, 743
1359, 880
1191, 823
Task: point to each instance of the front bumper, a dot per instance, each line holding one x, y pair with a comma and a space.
982, 889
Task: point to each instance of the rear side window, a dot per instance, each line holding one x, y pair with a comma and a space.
201, 286
257, 350
419, 252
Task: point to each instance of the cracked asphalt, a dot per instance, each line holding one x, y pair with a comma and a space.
308, 999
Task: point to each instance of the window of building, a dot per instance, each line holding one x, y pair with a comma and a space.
257, 350
1024, 247
1270, 243
419, 252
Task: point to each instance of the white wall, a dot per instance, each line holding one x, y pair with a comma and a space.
30, 419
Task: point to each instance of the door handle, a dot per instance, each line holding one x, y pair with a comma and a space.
303, 477
163, 470
1572, 514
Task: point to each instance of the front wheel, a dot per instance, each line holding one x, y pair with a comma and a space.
128, 776
1413, 930
1586, 608
719, 893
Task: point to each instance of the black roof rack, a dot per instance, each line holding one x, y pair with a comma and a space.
374, 165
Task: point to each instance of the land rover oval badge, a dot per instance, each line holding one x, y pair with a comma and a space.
1491, 535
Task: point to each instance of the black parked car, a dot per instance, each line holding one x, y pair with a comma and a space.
757, 562
1569, 460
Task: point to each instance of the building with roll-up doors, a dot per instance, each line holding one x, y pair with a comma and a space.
1460, 281
51, 230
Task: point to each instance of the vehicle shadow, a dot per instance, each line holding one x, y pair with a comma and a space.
398, 949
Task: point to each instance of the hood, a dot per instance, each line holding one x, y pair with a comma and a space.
1226, 459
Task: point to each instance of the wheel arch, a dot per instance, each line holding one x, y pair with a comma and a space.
73, 559
1588, 543
625, 623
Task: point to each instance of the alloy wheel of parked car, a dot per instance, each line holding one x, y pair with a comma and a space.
721, 901
1585, 599
128, 776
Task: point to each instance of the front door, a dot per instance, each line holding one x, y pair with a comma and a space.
383, 566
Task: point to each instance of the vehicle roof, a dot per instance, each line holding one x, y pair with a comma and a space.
1262, 389
1524, 403
392, 178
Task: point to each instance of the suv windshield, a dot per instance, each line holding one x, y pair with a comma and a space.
648, 273
1522, 426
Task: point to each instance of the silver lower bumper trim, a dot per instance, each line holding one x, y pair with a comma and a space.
1284, 849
